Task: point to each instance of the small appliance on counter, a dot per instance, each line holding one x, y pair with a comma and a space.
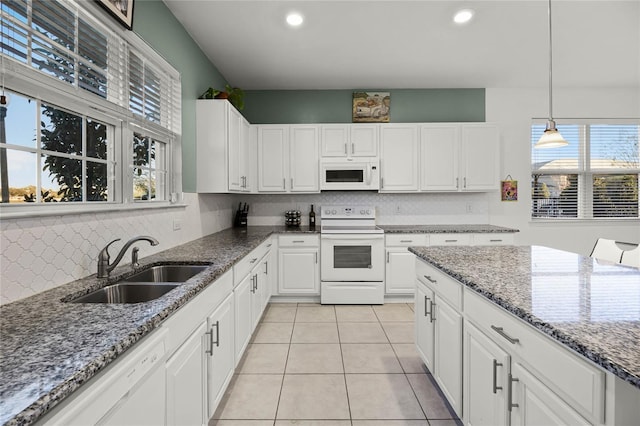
240, 220
292, 218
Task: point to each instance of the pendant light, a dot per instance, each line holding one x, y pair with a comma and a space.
551, 138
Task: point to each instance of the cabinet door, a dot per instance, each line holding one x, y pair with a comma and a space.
448, 356
143, 405
298, 271
234, 139
424, 324
485, 371
536, 404
246, 173
333, 140
257, 281
364, 140
272, 156
267, 279
220, 353
186, 381
242, 295
439, 157
479, 157
303, 161
399, 158
400, 271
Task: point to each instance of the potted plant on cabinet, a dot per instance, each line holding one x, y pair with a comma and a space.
235, 95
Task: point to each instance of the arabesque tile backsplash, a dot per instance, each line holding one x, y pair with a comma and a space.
42, 253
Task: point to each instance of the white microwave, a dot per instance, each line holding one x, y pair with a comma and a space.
348, 174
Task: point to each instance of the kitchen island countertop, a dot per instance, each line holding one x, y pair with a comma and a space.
589, 307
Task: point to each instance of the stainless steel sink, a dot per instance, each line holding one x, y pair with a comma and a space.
166, 274
127, 293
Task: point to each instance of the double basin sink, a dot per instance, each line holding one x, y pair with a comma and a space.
143, 286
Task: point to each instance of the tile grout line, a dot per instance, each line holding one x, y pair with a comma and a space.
344, 370
284, 372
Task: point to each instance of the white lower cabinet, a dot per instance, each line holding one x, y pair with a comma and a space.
486, 369
535, 404
299, 265
439, 337
186, 383
400, 271
243, 321
220, 360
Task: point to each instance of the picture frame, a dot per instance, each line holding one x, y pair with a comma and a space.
509, 189
371, 107
121, 10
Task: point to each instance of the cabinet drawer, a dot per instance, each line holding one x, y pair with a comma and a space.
580, 384
405, 240
298, 240
443, 285
243, 267
493, 239
450, 239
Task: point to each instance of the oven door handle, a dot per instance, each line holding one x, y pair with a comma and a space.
352, 237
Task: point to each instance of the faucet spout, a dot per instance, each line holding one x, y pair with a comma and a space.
105, 268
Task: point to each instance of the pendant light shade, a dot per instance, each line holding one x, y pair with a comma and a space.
551, 138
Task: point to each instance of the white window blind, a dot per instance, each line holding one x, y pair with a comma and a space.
594, 177
63, 40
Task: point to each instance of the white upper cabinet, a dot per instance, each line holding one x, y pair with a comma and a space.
459, 157
272, 156
303, 153
222, 148
349, 140
399, 158
480, 153
440, 152
288, 158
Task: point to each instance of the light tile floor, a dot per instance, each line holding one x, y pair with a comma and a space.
322, 365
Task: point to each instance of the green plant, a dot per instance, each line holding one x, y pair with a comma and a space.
235, 95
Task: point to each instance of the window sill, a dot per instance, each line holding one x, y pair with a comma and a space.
623, 221
19, 212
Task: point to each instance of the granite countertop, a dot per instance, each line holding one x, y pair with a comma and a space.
50, 347
589, 307
444, 229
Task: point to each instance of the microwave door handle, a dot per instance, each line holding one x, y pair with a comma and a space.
369, 175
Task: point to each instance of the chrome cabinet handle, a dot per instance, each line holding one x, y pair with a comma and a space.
464, 182
217, 342
431, 280
450, 241
388, 257
353, 150
426, 302
291, 183
269, 245
495, 241
253, 260
510, 403
253, 284
431, 311
316, 254
345, 148
284, 183
496, 364
457, 184
406, 241
298, 241
266, 267
381, 183
500, 331
210, 350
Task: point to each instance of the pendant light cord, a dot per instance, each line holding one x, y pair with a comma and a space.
550, 67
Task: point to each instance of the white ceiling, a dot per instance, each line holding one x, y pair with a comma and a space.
414, 44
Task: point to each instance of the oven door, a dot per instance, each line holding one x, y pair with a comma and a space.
352, 257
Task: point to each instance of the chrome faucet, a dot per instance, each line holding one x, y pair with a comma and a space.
104, 268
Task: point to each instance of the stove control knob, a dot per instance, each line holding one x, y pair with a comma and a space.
361, 211
368, 211
327, 212
334, 212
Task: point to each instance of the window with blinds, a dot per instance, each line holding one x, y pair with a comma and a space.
594, 177
85, 84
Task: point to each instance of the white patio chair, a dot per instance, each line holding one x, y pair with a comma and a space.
631, 257
607, 250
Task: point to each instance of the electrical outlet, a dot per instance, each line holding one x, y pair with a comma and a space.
398, 209
469, 208
177, 224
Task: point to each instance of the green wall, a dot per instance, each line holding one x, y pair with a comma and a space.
334, 106
154, 23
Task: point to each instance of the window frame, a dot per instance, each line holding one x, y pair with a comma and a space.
23, 78
584, 171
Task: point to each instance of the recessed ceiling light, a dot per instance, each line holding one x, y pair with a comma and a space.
463, 16
294, 19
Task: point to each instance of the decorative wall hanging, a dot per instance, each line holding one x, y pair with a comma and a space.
122, 10
371, 107
509, 189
